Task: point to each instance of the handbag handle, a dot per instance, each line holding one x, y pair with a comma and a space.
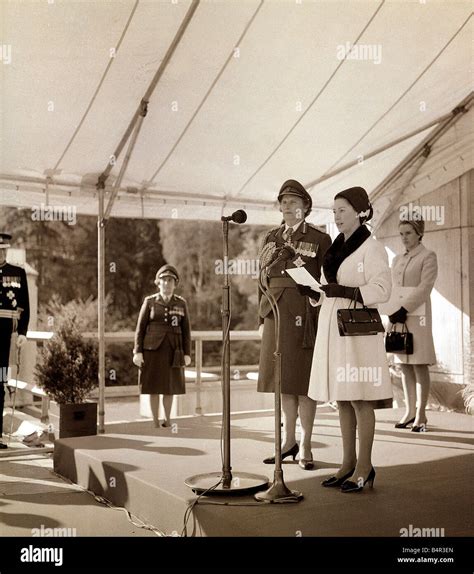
354, 300
404, 328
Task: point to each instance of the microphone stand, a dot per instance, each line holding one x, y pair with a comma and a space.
226, 482
278, 491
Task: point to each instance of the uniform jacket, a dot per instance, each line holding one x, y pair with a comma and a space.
14, 295
157, 319
417, 268
310, 245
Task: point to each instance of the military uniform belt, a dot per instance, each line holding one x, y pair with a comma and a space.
4, 314
282, 282
167, 329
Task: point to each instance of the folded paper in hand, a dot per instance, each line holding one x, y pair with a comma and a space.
303, 277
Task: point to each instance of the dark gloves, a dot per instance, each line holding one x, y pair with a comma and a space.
336, 290
308, 292
399, 316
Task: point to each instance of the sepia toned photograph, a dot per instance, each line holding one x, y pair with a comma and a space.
236, 284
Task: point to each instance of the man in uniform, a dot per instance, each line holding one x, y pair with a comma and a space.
305, 247
14, 314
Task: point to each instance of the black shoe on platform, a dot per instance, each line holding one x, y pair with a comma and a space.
334, 481
419, 428
292, 452
306, 463
405, 424
350, 486
3, 445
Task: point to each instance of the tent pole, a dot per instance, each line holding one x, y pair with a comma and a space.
126, 159
101, 303
135, 124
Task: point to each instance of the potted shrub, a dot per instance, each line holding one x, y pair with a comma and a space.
68, 372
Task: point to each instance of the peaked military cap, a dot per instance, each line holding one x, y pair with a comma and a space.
5, 239
167, 271
293, 187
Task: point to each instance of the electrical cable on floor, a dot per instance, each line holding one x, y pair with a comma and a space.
107, 503
191, 505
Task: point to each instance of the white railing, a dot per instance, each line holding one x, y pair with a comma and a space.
198, 337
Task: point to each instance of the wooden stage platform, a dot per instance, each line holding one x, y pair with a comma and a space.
423, 480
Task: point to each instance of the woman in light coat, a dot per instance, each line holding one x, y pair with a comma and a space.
416, 268
352, 370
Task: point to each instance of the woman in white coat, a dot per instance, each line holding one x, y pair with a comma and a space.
416, 268
352, 370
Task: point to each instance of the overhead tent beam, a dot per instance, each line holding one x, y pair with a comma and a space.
128, 155
33, 184
421, 152
377, 151
68, 188
133, 127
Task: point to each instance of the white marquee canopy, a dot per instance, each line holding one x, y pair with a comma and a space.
251, 93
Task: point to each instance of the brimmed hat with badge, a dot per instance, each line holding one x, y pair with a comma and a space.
167, 271
293, 187
5, 239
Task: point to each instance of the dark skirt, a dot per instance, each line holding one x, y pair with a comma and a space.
296, 360
157, 376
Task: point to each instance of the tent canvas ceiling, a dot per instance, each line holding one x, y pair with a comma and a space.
255, 93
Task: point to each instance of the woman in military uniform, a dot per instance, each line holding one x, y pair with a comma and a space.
163, 344
298, 321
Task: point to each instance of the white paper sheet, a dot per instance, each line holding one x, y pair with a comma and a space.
303, 277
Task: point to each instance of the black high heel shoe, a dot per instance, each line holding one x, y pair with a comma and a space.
420, 428
334, 481
350, 486
292, 452
306, 463
405, 424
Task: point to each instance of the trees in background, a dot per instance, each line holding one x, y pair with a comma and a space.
65, 257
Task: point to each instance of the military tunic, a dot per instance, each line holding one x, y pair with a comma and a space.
13, 297
298, 317
163, 333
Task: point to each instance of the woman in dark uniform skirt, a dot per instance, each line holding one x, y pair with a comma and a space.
163, 344
298, 318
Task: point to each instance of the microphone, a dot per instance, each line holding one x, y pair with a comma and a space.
285, 253
238, 216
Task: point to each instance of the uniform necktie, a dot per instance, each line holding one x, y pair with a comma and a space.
288, 233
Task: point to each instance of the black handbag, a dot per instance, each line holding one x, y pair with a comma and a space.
399, 341
358, 322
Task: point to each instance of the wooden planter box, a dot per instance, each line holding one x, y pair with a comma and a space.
77, 420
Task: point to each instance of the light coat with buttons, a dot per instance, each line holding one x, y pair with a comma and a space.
353, 368
417, 268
